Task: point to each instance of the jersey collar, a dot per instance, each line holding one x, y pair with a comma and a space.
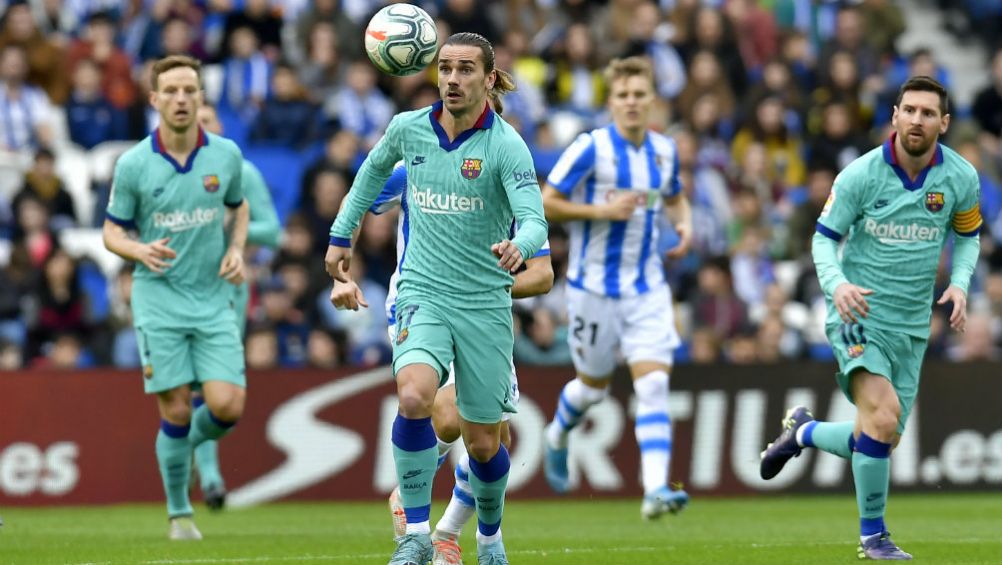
892, 159
158, 147
485, 121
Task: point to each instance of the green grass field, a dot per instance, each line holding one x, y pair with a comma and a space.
938, 528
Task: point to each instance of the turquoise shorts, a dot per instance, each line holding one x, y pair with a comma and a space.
895, 356
174, 357
478, 343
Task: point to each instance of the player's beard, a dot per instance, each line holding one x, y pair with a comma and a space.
916, 147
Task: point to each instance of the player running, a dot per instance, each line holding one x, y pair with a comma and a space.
894, 208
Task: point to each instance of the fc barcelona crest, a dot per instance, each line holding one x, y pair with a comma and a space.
211, 183
147, 372
934, 201
471, 168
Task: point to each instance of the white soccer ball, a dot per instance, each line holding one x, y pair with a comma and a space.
401, 39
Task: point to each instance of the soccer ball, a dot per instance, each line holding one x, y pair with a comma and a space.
401, 39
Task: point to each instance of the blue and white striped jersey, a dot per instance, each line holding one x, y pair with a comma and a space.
391, 197
617, 259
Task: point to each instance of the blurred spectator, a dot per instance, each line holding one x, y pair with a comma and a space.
377, 244
784, 161
176, 37
841, 83
323, 350
17, 278
97, 44
742, 347
649, 37
524, 108
796, 52
33, 230
261, 348
320, 71
287, 118
769, 340
804, 218
991, 189
41, 183
361, 107
709, 30
66, 351
246, 75
755, 30
752, 266
260, 19
366, 327
754, 194
61, 303
125, 345
321, 204
26, 123
348, 33
883, 22
706, 188
143, 117
11, 358
706, 78
850, 36
712, 132
839, 141
777, 81
92, 118
704, 346
987, 109
471, 16
45, 58
715, 304
289, 325
543, 341
576, 82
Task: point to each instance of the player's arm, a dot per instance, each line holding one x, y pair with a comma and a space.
264, 227
369, 182
966, 249
231, 268
536, 278
121, 214
518, 177
347, 294
153, 255
839, 213
679, 211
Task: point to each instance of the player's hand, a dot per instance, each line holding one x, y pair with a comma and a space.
232, 267
347, 295
509, 257
958, 318
621, 207
153, 255
338, 262
851, 300
684, 232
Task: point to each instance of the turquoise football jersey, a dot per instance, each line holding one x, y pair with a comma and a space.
895, 228
163, 198
461, 198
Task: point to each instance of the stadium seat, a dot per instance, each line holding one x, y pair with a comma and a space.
72, 167
102, 159
95, 286
88, 242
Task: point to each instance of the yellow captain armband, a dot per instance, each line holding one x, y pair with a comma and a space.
968, 222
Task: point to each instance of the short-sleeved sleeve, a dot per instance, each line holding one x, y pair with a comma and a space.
674, 186
967, 220
574, 165
123, 201
841, 209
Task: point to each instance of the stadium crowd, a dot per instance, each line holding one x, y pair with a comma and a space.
767, 99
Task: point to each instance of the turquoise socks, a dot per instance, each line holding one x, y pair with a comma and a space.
415, 452
205, 426
871, 469
833, 437
174, 457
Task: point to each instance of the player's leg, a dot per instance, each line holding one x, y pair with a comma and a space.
167, 372
800, 429
207, 453
593, 339
484, 343
421, 354
207, 464
218, 356
445, 421
648, 342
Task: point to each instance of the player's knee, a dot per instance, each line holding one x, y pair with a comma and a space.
506, 435
178, 413
445, 419
414, 404
230, 406
483, 447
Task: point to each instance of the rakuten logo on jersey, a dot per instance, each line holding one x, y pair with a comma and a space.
431, 203
892, 232
180, 220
